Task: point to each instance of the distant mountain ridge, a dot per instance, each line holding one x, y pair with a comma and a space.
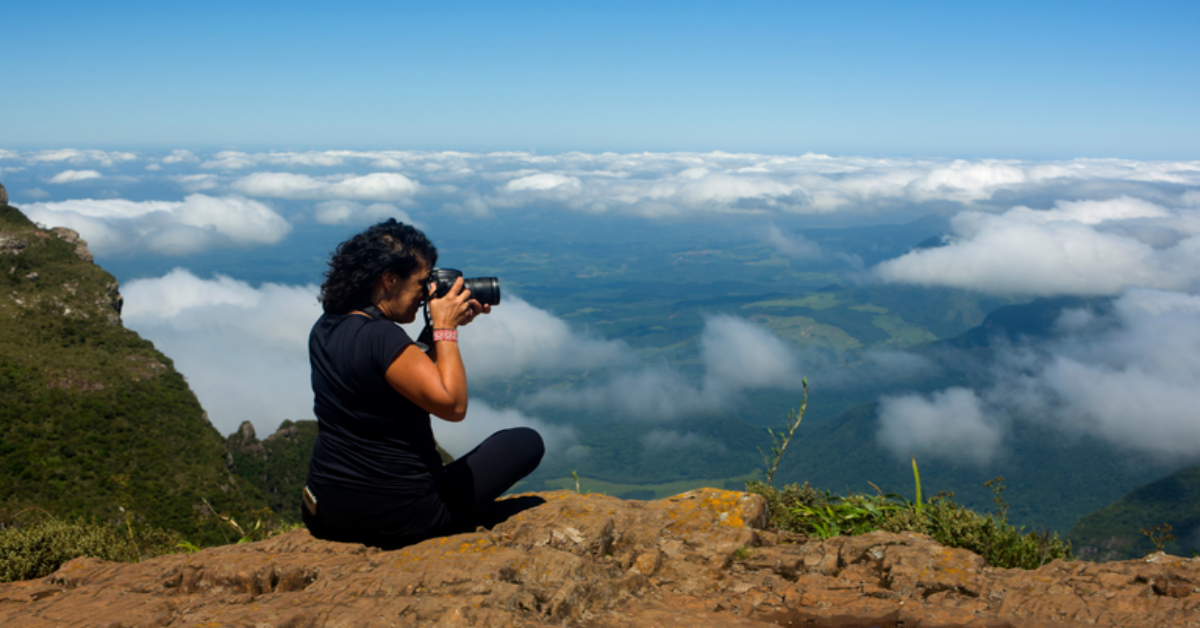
1115, 531
1053, 479
1037, 320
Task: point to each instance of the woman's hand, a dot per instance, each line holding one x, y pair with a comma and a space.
455, 309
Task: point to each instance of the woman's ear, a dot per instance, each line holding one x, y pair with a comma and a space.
388, 282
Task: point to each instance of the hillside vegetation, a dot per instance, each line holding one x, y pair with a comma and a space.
1115, 531
94, 421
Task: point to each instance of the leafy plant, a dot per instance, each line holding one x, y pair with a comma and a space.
850, 515
188, 546
779, 441
33, 549
265, 525
1159, 535
822, 514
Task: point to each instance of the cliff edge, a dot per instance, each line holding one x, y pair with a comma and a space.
698, 559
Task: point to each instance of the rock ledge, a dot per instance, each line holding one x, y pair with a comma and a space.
698, 559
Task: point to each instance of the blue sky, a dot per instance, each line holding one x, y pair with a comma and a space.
1016, 79
1057, 140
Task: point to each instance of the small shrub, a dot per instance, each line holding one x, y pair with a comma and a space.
37, 549
821, 514
1160, 535
780, 440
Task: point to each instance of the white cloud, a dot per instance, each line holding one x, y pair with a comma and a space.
741, 355
795, 246
647, 393
342, 212
197, 223
473, 207
242, 349
230, 160
378, 186
737, 356
180, 156
542, 182
196, 182
673, 185
1129, 376
1080, 248
74, 156
517, 337
967, 181
1136, 384
484, 420
953, 424
71, 176
1091, 212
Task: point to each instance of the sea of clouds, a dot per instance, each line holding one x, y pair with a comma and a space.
1124, 230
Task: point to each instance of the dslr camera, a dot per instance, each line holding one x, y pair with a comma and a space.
486, 290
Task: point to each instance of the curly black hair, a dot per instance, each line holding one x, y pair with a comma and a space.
358, 263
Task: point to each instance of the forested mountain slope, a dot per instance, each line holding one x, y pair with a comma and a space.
93, 418
1115, 531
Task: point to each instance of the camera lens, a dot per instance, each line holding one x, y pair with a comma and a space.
486, 290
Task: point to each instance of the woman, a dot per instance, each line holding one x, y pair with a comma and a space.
375, 475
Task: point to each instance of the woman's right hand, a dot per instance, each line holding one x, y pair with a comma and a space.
454, 309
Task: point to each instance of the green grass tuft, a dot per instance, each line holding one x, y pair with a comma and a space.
821, 514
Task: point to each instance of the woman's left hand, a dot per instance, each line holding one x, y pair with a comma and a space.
476, 310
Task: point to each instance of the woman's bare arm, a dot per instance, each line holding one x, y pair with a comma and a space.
439, 388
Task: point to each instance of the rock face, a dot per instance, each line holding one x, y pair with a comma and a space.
3, 195
71, 236
695, 560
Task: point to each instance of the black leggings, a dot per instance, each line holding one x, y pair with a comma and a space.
464, 500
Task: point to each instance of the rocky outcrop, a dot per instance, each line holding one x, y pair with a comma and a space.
695, 560
3, 195
11, 244
71, 236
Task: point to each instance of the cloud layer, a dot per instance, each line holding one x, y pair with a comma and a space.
1129, 376
1079, 248
377, 186
952, 424
652, 185
197, 223
1124, 229
736, 355
244, 351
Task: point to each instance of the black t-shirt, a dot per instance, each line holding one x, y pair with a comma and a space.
373, 441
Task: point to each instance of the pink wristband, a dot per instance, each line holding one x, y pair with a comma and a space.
448, 335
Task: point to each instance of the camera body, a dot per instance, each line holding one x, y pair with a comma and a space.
486, 290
